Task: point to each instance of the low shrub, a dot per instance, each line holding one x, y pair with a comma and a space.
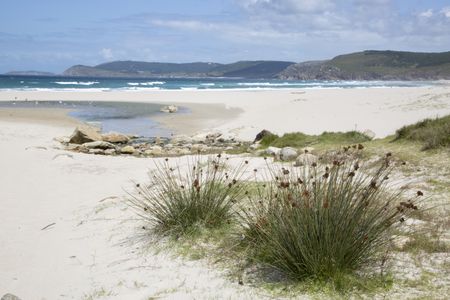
432, 133
322, 222
177, 202
299, 139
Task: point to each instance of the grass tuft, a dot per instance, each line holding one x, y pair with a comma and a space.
432, 133
179, 202
322, 222
299, 139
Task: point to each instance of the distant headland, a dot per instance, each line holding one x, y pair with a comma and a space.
365, 65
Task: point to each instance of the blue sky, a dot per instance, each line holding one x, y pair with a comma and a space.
51, 35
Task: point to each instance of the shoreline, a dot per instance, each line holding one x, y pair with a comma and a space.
245, 113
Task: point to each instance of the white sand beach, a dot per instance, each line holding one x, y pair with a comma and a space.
312, 111
66, 232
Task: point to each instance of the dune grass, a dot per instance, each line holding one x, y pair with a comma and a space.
323, 222
179, 202
431, 133
299, 139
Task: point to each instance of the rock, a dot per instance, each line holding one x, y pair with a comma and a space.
168, 146
84, 134
229, 148
154, 150
199, 148
63, 140
114, 137
157, 140
213, 136
110, 151
199, 138
96, 151
274, 151
369, 133
98, 145
288, 153
10, 297
181, 139
305, 159
169, 109
127, 150
261, 135
254, 146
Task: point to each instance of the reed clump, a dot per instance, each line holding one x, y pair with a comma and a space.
323, 221
180, 199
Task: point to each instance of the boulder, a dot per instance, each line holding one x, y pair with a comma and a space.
169, 109
261, 135
288, 153
369, 133
114, 137
274, 151
10, 297
127, 150
305, 159
99, 145
84, 134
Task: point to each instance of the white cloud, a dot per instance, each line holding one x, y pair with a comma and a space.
107, 53
426, 14
287, 6
446, 12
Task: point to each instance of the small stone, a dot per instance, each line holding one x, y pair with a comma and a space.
9, 297
288, 153
127, 150
98, 145
274, 151
96, 151
254, 146
369, 133
169, 109
110, 151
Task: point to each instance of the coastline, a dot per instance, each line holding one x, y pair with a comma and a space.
245, 113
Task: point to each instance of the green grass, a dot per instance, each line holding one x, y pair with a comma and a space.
299, 139
179, 202
324, 222
431, 133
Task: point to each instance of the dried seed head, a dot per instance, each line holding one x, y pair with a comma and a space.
285, 172
166, 159
246, 162
314, 164
351, 174
360, 147
389, 154
326, 175
419, 193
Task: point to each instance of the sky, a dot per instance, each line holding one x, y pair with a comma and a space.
52, 35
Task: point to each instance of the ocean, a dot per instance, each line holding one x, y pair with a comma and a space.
43, 83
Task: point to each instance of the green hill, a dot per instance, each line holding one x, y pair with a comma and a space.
375, 65
246, 69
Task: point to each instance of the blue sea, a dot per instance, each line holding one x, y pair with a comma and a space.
38, 83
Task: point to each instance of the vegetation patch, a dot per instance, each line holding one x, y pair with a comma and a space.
431, 133
178, 202
323, 222
299, 139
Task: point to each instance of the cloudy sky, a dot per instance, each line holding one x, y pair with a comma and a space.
51, 35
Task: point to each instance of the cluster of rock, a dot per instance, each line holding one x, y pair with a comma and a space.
89, 140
